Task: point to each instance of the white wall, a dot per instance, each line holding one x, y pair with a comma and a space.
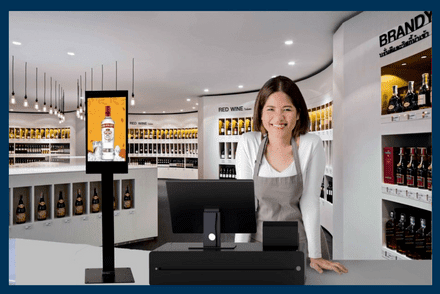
357, 138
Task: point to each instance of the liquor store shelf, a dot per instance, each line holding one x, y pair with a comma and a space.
411, 122
390, 254
414, 197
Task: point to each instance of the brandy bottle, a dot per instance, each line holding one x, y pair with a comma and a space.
429, 176
401, 168
390, 232
95, 202
20, 213
409, 237
61, 206
424, 97
411, 169
41, 209
410, 101
422, 170
395, 103
419, 241
400, 234
79, 205
127, 199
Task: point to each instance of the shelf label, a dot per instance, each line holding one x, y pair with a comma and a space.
85, 218
429, 198
66, 221
28, 227
401, 193
395, 117
132, 212
116, 213
412, 195
48, 224
385, 190
426, 114
411, 116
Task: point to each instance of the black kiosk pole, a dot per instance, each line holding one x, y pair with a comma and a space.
107, 128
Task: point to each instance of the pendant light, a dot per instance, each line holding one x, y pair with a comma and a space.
80, 97
13, 92
59, 100
132, 102
55, 112
44, 104
36, 89
25, 102
116, 76
64, 117
77, 98
50, 107
85, 89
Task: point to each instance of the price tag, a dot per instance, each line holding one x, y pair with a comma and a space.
85, 218
412, 195
392, 191
429, 198
28, 227
116, 213
426, 114
411, 116
395, 117
401, 193
385, 190
66, 221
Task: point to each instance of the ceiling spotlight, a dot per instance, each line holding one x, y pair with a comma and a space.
194, 107
163, 111
424, 56
288, 42
197, 103
206, 90
241, 86
25, 102
13, 92
11, 109
291, 63
70, 53
404, 63
274, 77
144, 112
187, 99
16, 43
181, 110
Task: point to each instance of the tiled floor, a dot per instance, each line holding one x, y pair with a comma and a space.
166, 234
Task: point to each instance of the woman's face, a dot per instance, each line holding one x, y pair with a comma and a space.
279, 116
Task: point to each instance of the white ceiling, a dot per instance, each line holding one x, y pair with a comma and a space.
176, 54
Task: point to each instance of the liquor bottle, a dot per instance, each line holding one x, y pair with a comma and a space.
79, 205
108, 135
409, 236
42, 209
222, 156
428, 244
330, 192
20, 213
95, 202
141, 148
127, 199
61, 206
419, 241
318, 119
429, 176
395, 103
322, 117
322, 189
399, 233
330, 116
114, 202
390, 232
410, 101
411, 169
424, 97
422, 170
401, 168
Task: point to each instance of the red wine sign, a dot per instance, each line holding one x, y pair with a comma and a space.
410, 32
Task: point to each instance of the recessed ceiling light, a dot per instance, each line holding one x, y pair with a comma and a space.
163, 111
188, 99
206, 90
291, 63
274, 77
241, 86
70, 53
197, 103
424, 56
144, 111
16, 43
194, 107
288, 42
11, 109
181, 110
404, 63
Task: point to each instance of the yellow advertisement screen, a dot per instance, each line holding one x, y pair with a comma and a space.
106, 126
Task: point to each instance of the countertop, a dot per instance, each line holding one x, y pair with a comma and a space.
52, 263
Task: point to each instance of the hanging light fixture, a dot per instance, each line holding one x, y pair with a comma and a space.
81, 96
36, 88
85, 89
64, 117
116, 76
77, 98
44, 104
50, 107
132, 102
25, 102
55, 112
13, 92
59, 100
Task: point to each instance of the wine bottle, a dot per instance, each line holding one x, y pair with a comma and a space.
424, 97
79, 205
395, 103
429, 176
20, 213
127, 199
95, 202
61, 206
410, 101
411, 169
422, 170
401, 168
41, 210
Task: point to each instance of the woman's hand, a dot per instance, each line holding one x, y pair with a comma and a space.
320, 264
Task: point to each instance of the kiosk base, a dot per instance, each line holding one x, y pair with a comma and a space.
96, 276
247, 264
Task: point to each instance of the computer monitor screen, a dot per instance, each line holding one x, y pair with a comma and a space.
234, 199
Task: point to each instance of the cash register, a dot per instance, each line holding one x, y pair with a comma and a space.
212, 207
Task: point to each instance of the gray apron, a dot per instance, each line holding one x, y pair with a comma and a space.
277, 199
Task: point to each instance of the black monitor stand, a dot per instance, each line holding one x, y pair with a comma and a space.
108, 273
211, 232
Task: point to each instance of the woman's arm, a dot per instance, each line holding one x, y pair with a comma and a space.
309, 202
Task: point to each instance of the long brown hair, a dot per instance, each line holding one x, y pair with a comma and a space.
288, 87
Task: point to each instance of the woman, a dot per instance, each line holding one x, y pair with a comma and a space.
287, 165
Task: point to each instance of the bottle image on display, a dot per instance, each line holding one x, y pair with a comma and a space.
20, 213
422, 170
108, 135
61, 206
79, 205
411, 169
127, 199
409, 236
424, 97
410, 101
95, 202
400, 234
42, 208
419, 241
401, 168
395, 103
390, 232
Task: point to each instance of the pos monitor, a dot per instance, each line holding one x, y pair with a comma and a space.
212, 207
